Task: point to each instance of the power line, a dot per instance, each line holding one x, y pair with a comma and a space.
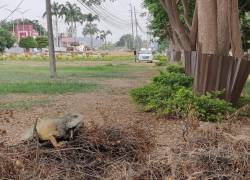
108, 17
141, 29
3, 6
17, 7
112, 15
103, 17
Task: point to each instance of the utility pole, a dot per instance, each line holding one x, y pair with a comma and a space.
52, 56
132, 23
136, 30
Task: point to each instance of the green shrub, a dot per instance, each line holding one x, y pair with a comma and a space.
6, 40
42, 42
211, 109
160, 57
27, 43
161, 63
174, 68
173, 80
179, 103
142, 95
170, 94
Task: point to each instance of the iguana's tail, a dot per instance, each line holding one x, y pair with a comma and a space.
28, 134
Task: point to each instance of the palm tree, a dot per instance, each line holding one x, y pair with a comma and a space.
90, 29
72, 14
56, 10
103, 35
90, 18
51, 40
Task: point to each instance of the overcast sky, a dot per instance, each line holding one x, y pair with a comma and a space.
120, 9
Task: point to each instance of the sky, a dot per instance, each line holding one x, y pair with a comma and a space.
118, 21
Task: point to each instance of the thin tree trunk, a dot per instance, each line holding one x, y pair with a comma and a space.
75, 32
194, 29
91, 41
236, 42
177, 26
186, 11
91, 36
51, 41
57, 31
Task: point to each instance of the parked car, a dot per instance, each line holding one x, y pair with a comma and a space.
145, 56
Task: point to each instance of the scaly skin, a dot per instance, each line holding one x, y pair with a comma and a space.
52, 129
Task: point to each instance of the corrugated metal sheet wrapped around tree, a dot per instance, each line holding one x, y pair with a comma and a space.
217, 73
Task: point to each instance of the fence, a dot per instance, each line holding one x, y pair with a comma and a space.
217, 73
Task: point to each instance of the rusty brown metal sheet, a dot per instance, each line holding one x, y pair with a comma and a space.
187, 62
219, 73
193, 62
190, 62
240, 78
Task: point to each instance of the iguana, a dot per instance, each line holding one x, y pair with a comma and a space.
54, 129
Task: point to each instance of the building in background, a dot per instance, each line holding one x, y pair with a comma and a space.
25, 30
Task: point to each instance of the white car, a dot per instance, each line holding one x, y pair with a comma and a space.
145, 56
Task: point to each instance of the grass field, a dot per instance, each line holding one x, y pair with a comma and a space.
34, 78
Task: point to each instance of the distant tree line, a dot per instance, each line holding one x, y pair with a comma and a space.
72, 15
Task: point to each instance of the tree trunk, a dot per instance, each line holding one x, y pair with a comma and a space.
75, 32
219, 27
174, 48
51, 41
91, 41
91, 36
207, 26
236, 43
57, 32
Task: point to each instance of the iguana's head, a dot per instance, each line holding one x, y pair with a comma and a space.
74, 120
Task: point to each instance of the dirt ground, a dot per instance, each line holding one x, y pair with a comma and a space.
109, 105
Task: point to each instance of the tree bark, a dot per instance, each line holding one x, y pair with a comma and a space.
219, 27
176, 24
207, 26
223, 27
236, 42
51, 40
57, 31
186, 13
194, 29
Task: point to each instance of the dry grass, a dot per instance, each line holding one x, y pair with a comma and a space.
96, 153
210, 151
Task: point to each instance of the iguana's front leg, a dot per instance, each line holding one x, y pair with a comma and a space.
55, 143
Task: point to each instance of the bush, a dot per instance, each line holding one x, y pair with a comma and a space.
161, 63
161, 58
174, 68
170, 94
211, 109
27, 43
154, 97
42, 42
6, 40
174, 80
